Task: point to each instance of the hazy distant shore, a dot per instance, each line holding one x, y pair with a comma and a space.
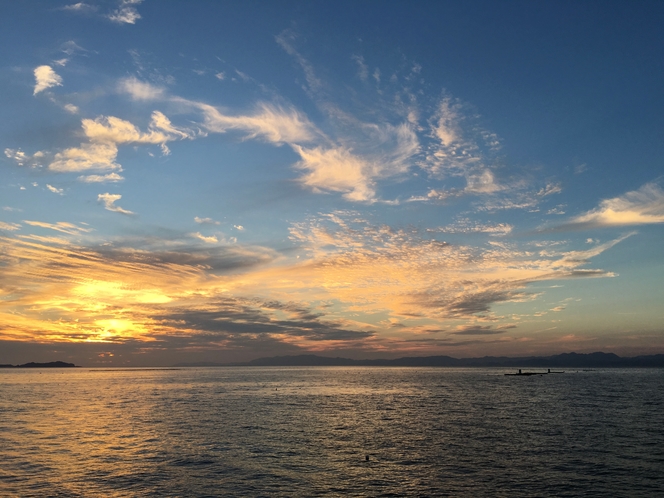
51, 364
565, 360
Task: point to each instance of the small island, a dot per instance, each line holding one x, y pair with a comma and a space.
51, 364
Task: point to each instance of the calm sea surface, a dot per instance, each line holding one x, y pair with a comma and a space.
308, 431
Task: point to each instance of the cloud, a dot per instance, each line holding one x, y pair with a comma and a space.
46, 78
362, 69
576, 257
10, 227
118, 131
232, 317
286, 39
269, 122
336, 170
23, 159
126, 13
385, 153
224, 297
371, 152
209, 240
17, 155
406, 273
110, 177
140, 90
54, 189
117, 294
549, 189
70, 48
109, 203
445, 124
482, 183
87, 156
480, 330
459, 146
205, 221
60, 226
80, 7
638, 207
104, 135
70, 108
581, 168
465, 225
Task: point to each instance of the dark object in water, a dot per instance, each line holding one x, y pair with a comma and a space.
366, 458
525, 374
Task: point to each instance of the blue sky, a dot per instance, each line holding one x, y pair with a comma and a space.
217, 181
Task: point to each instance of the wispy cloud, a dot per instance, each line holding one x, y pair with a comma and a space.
60, 226
172, 301
218, 295
110, 177
80, 7
209, 239
269, 122
465, 225
104, 135
45, 78
70, 108
115, 130
140, 90
362, 69
55, 190
109, 201
481, 330
409, 275
205, 221
17, 155
126, 13
10, 227
22, 159
286, 39
357, 163
336, 170
638, 207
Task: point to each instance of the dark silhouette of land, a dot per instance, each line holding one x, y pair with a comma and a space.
51, 364
565, 360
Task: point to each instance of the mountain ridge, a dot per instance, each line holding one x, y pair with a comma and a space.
50, 364
569, 360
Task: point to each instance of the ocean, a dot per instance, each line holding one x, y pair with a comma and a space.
330, 431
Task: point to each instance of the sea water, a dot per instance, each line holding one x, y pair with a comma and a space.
323, 431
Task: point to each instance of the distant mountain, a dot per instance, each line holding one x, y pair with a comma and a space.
565, 360
52, 364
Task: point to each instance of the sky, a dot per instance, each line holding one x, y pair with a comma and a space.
220, 181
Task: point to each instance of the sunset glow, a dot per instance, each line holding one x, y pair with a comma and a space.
218, 182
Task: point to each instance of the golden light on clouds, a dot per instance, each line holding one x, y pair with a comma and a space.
353, 283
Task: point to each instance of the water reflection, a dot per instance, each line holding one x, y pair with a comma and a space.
308, 431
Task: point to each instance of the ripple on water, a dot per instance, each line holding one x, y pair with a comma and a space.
225, 431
